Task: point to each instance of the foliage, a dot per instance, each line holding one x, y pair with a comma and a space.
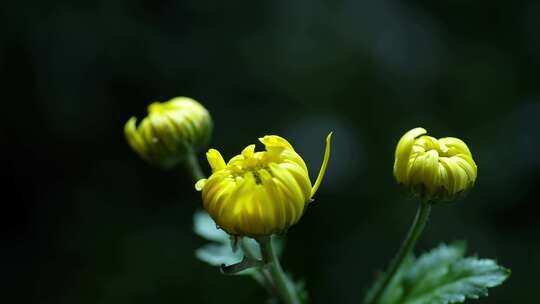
227, 250
442, 275
220, 250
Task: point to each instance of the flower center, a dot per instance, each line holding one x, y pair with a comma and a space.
443, 150
258, 180
253, 166
427, 143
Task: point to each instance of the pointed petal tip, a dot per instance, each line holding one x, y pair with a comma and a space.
322, 171
275, 141
329, 136
248, 151
211, 150
413, 133
130, 125
215, 160
199, 185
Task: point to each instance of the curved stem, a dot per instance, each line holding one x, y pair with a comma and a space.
194, 167
283, 284
420, 220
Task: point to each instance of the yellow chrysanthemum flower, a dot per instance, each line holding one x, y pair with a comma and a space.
434, 169
171, 130
259, 193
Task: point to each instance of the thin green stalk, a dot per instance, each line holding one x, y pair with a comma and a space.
194, 167
420, 220
283, 284
265, 276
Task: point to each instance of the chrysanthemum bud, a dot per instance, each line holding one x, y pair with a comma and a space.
434, 169
259, 193
171, 130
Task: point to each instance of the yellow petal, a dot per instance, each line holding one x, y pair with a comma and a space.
274, 141
134, 138
248, 152
274, 197
215, 160
199, 185
324, 164
468, 165
403, 151
301, 176
456, 146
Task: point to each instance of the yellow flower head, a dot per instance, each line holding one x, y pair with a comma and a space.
259, 193
434, 169
170, 131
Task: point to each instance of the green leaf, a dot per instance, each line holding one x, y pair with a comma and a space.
205, 227
468, 278
442, 276
219, 251
217, 254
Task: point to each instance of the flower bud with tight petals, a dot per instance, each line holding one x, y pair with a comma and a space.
259, 193
434, 169
171, 130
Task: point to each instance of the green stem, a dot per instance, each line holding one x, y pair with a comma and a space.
194, 167
266, 279
420, 220
284, 286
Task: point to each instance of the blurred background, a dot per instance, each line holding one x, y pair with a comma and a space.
84, 220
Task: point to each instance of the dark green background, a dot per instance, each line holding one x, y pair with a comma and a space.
84, 220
